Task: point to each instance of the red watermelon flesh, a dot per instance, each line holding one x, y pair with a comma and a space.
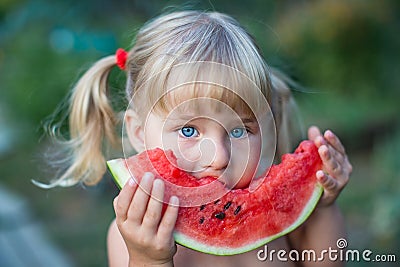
219, 221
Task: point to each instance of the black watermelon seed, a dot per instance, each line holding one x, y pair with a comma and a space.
227, 205
220, 215
217, 201
201, 220
202, 207
237, 210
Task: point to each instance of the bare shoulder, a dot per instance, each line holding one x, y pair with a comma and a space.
116, 248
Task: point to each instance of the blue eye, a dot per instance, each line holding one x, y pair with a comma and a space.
238, 133
188, 132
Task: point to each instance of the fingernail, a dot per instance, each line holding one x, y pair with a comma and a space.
320, 174
329, 133
324, 150
157, 183
174, 201
147, 176
131, 182
321, 140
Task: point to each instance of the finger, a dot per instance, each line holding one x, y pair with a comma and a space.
334, 141
140, 199
313, 133
319, 141
168, 221
154, 208
330, 162
336, 155
124, 199
329, 183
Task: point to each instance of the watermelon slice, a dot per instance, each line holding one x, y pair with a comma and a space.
219, 221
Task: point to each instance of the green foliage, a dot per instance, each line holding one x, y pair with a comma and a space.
386, 205
344, 53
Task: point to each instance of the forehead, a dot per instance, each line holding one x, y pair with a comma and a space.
207, 108
204, 99
212, 86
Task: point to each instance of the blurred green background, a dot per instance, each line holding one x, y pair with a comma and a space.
345, 54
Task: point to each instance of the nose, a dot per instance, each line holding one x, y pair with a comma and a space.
216, 153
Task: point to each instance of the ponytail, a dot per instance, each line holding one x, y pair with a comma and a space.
92, 124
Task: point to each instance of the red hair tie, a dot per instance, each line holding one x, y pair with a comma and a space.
121, 55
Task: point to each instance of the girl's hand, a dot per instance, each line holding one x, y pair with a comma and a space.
146, 232
336, 166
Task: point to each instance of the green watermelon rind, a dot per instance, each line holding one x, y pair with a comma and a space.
121, 175
119, 171
307, 210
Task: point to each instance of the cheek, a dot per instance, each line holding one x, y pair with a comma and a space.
248, 152
246, 162
245, 169
187, 153
153, 136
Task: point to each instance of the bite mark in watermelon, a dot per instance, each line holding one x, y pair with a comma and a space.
239, 220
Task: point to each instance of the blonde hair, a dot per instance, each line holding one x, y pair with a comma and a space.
162, 44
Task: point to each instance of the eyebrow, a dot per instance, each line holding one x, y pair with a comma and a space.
249, 120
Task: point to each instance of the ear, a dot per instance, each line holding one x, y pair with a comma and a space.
134, 130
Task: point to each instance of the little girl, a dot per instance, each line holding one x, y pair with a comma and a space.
196, 84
